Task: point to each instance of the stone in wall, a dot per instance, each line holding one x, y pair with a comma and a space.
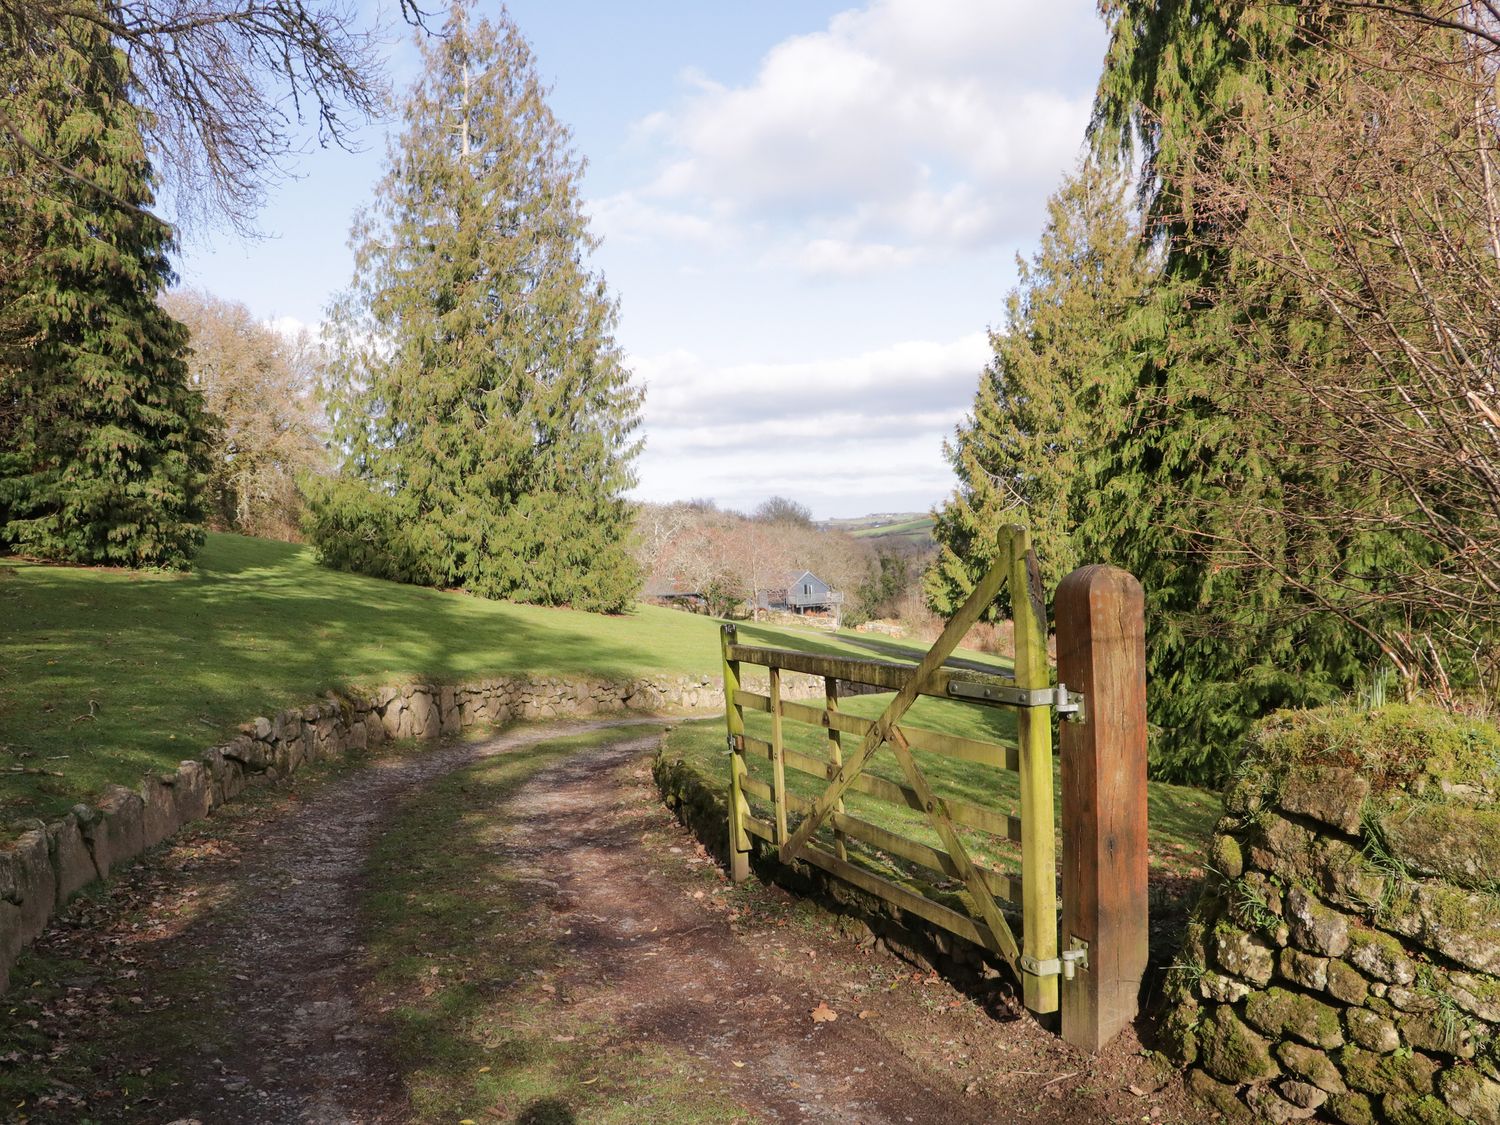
72, 865
116, 833
1346, 965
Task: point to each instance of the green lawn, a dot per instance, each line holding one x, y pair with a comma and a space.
106, 675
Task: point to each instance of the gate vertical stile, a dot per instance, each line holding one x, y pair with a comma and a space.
778, 756
835, 754
734, 720
1034, 735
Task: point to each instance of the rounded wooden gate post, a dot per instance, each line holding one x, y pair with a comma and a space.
1100, 615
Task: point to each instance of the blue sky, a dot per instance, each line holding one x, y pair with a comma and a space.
810, 213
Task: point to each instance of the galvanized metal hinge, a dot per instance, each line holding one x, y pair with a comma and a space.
1065, 964
1068, 704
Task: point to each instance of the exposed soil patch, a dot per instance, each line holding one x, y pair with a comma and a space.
230, 969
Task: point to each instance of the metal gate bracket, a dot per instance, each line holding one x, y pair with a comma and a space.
1049, 968
1068, 704
1065, 965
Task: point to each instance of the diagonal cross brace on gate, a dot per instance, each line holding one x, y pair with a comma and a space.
885, 726
1016, 564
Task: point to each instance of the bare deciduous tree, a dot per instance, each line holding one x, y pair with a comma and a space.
261, 386
732, 556
228, 85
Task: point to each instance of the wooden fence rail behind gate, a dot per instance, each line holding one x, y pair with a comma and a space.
975, 897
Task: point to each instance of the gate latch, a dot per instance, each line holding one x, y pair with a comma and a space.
1065, 964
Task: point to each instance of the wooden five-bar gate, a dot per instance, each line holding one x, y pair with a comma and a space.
1089, 962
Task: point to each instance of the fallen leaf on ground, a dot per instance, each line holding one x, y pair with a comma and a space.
866, 1014
1137, 1091
740, 1065
823, 1013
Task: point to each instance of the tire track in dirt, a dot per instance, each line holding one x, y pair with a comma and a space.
653, 961
303, 1052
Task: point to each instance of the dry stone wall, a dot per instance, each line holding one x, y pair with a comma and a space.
45, 867
1346, 966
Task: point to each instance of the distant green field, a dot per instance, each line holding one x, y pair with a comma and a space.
106, 675
907, 527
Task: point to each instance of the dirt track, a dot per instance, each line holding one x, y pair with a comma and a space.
274, 903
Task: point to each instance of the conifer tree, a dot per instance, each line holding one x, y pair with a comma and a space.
480, 397
1184, 82
102, 454
1051, 398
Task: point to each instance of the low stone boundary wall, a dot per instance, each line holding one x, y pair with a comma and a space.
45, 867
1347, 965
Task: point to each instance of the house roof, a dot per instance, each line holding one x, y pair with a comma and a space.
666, 588
794, 578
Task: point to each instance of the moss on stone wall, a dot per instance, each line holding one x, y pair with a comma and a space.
1347, 962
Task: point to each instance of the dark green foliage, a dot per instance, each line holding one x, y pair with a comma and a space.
102, 456
479, 394
880, 594
362, 530
1191, 490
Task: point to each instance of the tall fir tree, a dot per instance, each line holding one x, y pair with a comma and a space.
1194, 468
1051, 398
479, 395
102, 457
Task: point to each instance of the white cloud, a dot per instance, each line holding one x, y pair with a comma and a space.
845, 435
630, 218
292, 329
834, 256
907, 127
